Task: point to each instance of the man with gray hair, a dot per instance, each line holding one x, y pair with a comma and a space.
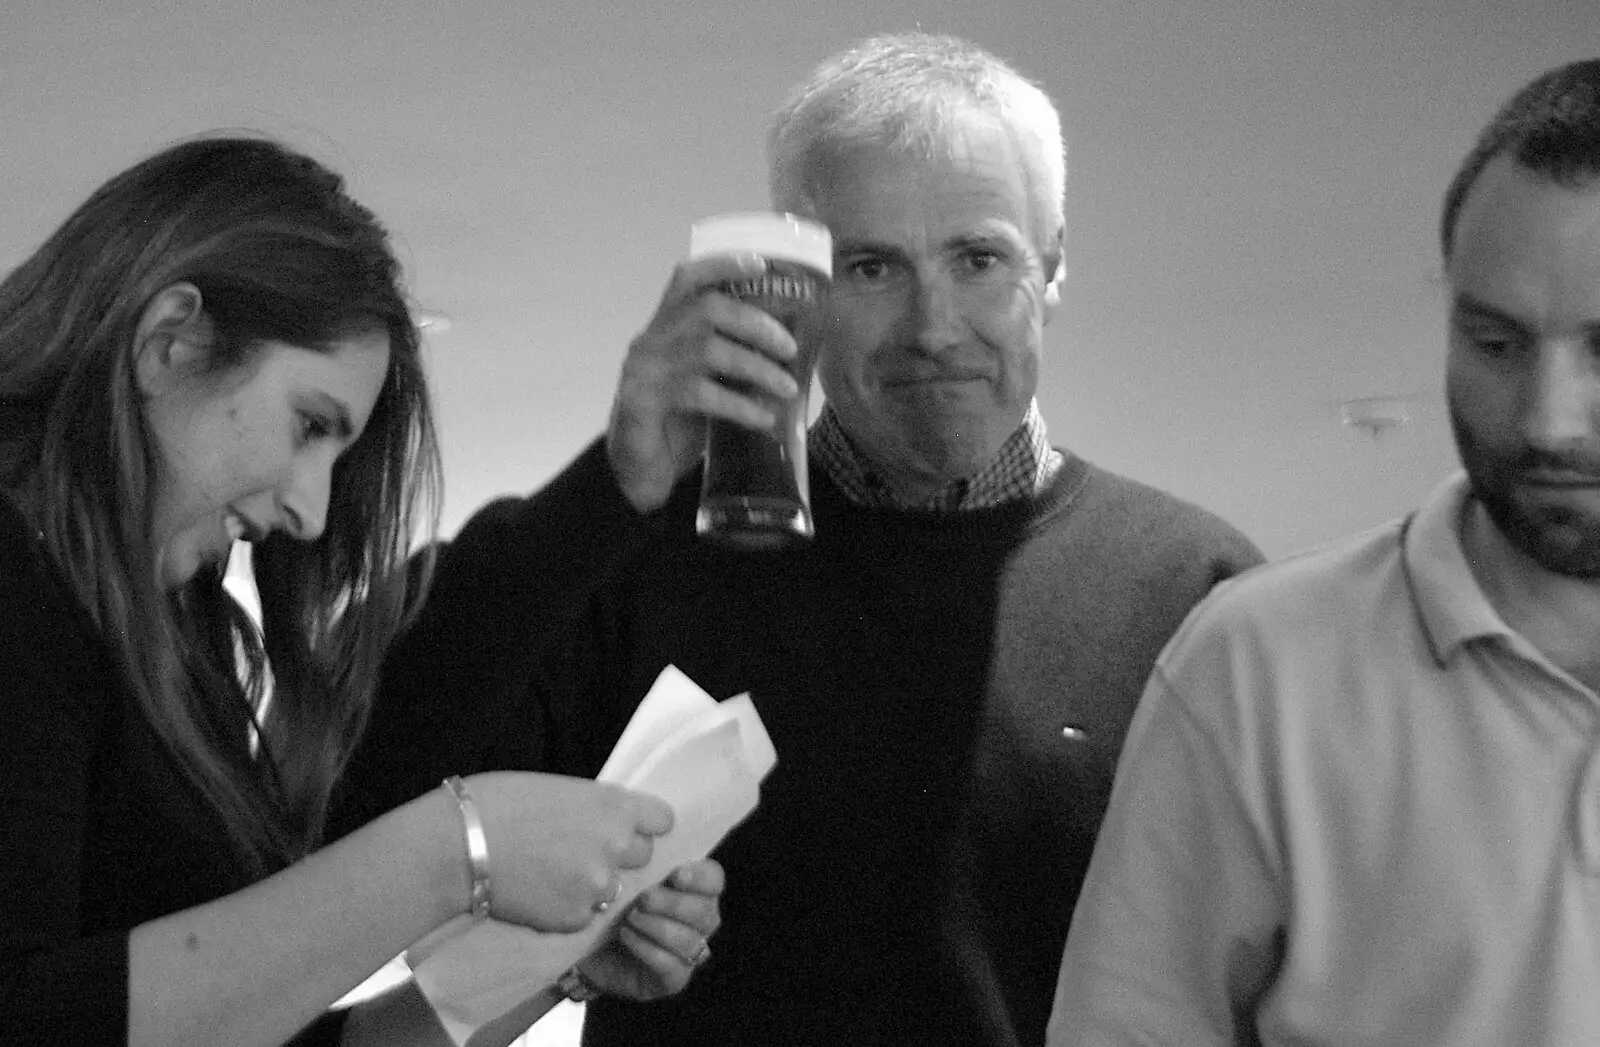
946, 671
1360, 802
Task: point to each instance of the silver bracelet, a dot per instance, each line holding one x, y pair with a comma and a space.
480, 897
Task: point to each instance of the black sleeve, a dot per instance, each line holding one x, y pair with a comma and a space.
57, 985
455, 697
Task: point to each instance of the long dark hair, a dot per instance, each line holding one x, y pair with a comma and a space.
279, 252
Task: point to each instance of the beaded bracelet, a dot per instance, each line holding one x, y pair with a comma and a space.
477, 848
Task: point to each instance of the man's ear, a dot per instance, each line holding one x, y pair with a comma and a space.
1055, 263
171, 337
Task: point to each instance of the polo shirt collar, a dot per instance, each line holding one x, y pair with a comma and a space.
1452, 607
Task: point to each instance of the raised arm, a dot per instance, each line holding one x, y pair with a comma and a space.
512, 587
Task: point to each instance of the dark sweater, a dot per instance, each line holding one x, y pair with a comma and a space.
99, 830
910, 874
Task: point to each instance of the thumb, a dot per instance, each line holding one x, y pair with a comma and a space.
653, 815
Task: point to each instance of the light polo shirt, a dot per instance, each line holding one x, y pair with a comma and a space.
1353, 808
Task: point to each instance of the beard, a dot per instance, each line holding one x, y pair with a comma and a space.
1560, 537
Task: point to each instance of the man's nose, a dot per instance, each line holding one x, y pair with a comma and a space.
1563, 404
936, 313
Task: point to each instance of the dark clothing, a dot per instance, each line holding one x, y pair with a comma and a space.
101, 831
508, 589
911, 871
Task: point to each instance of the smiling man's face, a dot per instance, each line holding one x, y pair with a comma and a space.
929, 348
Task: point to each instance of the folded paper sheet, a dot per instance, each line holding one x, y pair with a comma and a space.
705, 758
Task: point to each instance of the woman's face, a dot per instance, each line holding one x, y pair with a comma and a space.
250, 451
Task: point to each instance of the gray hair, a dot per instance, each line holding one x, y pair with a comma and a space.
904, 92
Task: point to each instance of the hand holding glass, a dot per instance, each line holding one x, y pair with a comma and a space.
755, 493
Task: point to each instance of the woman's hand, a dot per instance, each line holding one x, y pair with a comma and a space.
663, 937
558, 844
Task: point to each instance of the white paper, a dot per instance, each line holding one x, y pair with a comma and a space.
705, 758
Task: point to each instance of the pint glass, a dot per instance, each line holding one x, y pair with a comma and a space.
755, 493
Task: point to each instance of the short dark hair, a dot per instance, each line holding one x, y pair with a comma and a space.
1551, 127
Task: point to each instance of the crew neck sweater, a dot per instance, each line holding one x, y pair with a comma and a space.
946, 692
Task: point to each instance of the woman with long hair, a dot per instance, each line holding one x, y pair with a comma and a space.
215, 347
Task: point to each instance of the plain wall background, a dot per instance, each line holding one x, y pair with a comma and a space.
1252, 201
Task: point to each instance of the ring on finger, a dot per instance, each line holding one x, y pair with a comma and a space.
701, 954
